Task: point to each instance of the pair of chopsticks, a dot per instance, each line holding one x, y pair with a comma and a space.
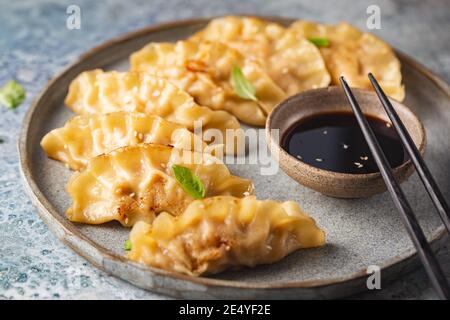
415, 232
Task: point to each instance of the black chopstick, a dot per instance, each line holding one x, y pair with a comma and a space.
413, 228
424, 173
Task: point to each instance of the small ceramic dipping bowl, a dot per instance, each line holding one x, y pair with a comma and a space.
332, 99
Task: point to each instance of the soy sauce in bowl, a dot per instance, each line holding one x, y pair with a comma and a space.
334, 142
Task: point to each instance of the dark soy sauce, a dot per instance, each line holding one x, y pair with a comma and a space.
334, 142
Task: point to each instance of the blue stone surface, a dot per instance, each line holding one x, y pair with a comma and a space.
35, 44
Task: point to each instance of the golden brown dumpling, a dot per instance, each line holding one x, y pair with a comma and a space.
353, 54
294, 63
203, 69
94, 92
223, 232
86, 136
137, 182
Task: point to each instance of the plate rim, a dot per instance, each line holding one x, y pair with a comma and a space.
67, 231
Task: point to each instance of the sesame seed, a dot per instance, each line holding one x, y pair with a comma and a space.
299, 157
345, 146
325, 132
359, 165
319, 159
364, 158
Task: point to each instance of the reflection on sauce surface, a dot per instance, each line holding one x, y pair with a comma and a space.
334, 142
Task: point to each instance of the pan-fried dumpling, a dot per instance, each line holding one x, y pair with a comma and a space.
103, 92
86, 136
251, 36
353, 54
297, 65
224, 232
293, 62
203, 69
137, 182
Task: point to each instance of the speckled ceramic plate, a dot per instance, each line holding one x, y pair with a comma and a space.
360, 232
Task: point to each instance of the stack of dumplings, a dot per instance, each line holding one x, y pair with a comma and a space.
203, 68
293, 62
133, 130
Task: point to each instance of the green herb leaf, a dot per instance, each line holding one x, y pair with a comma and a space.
320, 42
12, 94
127, 245
241, 85
190, 183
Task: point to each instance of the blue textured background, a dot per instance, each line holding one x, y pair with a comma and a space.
35, 44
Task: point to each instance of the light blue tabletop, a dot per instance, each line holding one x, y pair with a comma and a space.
35, 44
